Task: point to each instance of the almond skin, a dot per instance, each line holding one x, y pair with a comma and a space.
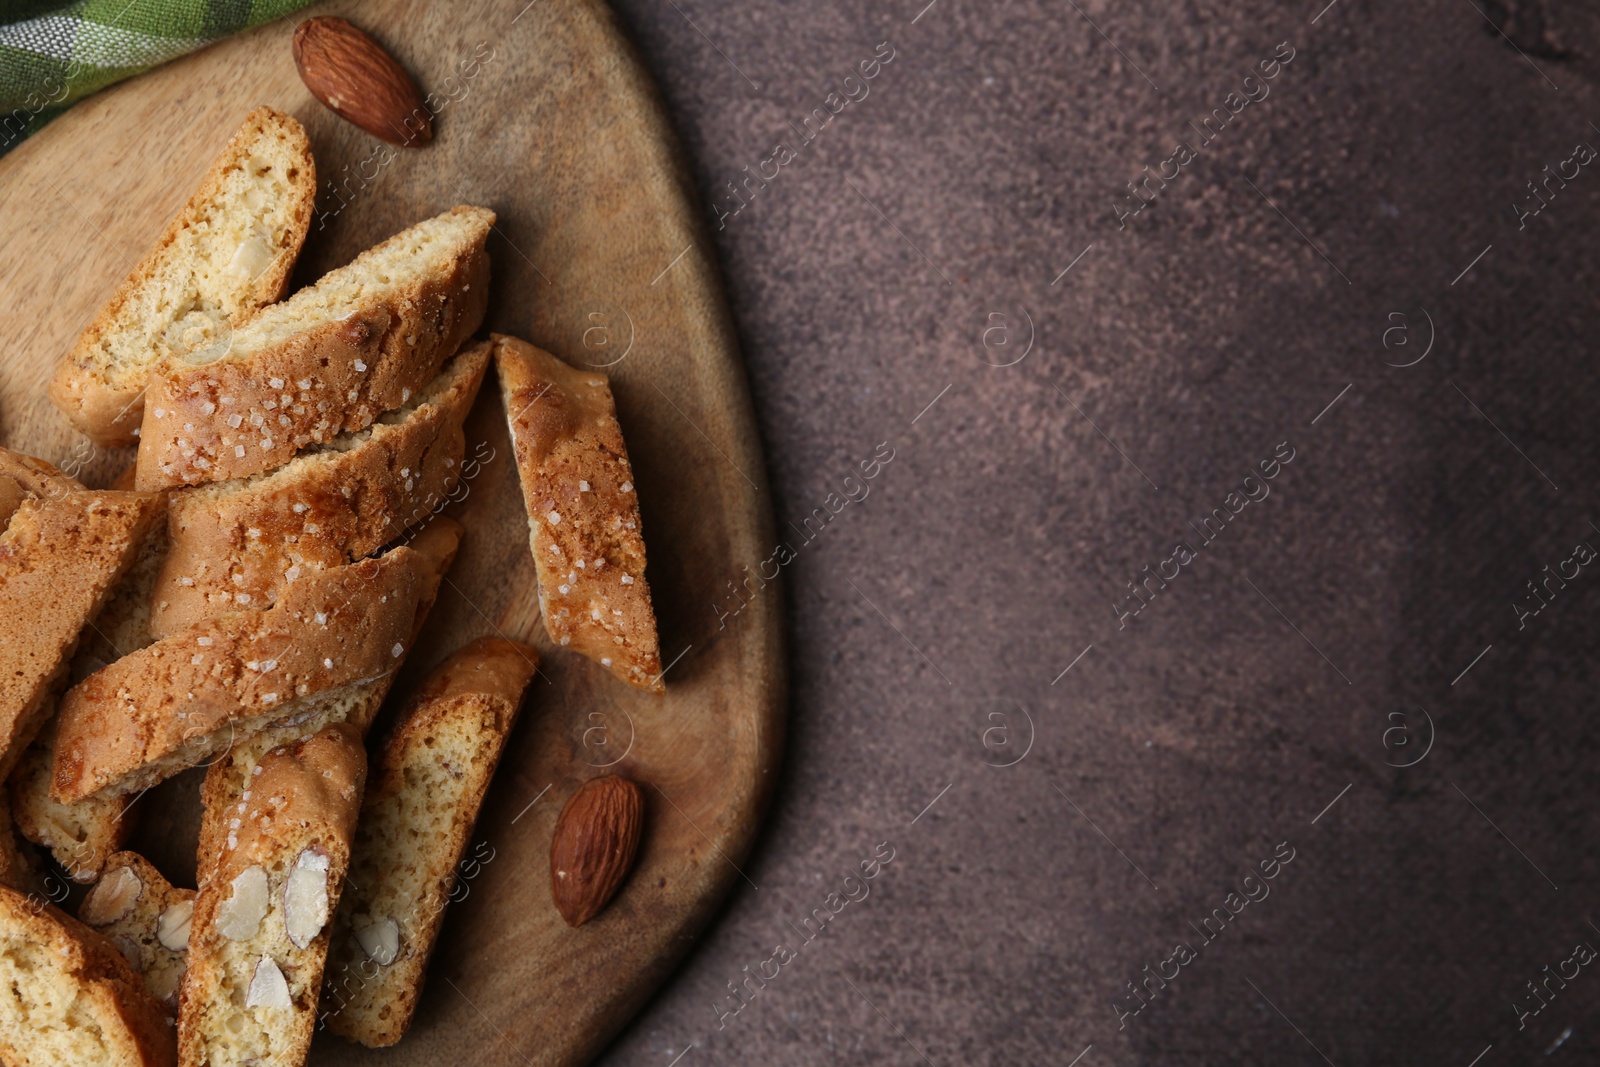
354, 77
596, 837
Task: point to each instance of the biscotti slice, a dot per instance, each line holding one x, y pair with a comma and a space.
583, 513
259, 936
188, 697
60, 558
81, 836
146, 918
421, 804
329, 360
243, 542
227, 254
229, 777
68, 997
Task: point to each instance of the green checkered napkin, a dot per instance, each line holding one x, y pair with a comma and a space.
53, 54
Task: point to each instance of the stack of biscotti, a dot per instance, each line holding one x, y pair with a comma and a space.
331, 427
249, 605
247, 600
320, 615
242, 542
282, 609
225, 256
329, 360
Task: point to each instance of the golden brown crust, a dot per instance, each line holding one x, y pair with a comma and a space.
318, 779
242, 542
227, 779
419, 810
68, 996
297, 376
60, 558
108, 406
303, 797
186, 698
583, 513
496, 667
358, 705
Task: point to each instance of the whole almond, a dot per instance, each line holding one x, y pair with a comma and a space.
596, 837
353, 76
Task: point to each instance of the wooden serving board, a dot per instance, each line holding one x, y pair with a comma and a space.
546, 115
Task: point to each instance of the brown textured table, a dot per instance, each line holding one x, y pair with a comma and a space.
1176, 354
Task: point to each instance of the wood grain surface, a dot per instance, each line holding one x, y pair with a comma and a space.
544, 114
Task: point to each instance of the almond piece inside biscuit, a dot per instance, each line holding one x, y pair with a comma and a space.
305, 897
239, 917
268, 988
112, 898
380, 940
172, 926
